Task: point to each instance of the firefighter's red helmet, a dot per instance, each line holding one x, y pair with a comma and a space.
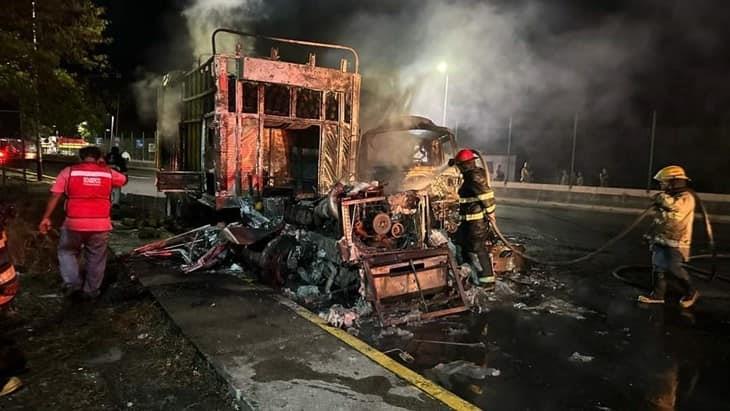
465, 155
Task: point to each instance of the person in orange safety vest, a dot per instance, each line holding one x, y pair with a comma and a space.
12, 359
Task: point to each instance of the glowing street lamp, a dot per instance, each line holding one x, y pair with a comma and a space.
444, 68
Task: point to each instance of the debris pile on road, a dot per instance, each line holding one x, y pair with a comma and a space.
395, 331
535, 278
479, 299
304, 294
202, 247
340, 317
444, 373
357, 242
557, 306
580, 358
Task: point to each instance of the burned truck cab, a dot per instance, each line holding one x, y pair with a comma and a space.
245, 125
412, 153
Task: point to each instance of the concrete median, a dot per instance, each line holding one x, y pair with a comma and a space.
609, 199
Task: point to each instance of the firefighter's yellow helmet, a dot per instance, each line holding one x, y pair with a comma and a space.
671, 173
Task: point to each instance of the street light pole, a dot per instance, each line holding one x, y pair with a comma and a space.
111, 133
651, 150
572, 153
446, 98
443, 67
38, 146
509, 151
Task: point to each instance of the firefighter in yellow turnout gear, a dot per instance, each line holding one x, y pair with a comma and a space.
476, 206
671, 236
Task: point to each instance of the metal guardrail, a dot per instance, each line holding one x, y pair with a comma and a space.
132, 164
596, 198
17, 173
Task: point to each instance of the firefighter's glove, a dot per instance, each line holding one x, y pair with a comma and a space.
658, 200
647, 239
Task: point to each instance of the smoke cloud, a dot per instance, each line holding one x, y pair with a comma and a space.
504, 58
503, 61
204, 16
145, 94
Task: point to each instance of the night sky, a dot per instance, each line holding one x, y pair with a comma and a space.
684, 75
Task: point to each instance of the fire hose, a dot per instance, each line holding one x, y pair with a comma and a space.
588, 256
708, 275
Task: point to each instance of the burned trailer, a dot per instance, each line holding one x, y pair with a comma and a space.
245, 125
277, 141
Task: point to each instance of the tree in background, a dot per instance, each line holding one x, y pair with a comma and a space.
68, 34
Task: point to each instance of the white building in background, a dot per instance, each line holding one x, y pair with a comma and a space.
507, 163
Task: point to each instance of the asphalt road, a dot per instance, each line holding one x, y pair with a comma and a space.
141, 181
629, 356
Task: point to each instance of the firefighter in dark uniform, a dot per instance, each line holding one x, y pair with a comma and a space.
476, 207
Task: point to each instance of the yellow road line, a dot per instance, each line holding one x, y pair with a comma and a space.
429, 387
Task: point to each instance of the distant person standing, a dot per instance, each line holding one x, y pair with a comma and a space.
579, 179
525, 173
499, 174
603, 177
87, 187
127, 157
564, 178
115, 160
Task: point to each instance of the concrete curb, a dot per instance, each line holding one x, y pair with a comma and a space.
230, 361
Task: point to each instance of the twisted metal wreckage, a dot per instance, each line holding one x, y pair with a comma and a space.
279, 142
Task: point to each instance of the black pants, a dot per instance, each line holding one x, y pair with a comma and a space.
484, 260
12, 360
473, 239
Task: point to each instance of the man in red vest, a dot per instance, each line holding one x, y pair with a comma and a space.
87, 187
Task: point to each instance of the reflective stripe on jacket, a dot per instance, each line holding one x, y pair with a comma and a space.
673, 220
8, 278
4, 253
475, 195
88, 191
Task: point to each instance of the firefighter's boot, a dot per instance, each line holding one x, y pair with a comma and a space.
10, 385
660, 288
486, 275
689, 300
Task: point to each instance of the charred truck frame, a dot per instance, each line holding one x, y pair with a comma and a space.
249, 124
257, 133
